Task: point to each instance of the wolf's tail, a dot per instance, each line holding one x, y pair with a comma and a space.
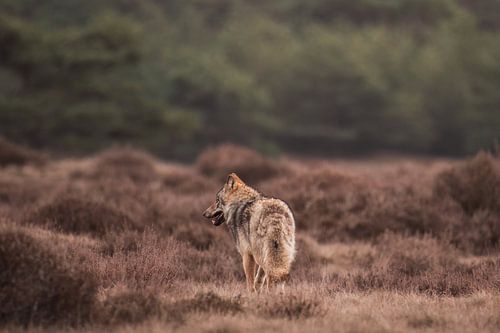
280, 248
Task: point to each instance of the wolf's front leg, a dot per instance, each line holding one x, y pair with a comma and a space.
249, 267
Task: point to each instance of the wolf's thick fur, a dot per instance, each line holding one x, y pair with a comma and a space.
262, 228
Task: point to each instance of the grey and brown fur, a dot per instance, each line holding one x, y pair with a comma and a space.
262, 228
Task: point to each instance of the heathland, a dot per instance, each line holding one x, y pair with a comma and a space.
116, 242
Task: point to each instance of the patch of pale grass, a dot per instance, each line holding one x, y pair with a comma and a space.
347, 312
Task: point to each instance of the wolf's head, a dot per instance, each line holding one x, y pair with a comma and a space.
234, 192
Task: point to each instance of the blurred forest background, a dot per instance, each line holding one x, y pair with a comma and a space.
325, 77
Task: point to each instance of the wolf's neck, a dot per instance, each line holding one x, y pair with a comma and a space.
236, 210
238, 218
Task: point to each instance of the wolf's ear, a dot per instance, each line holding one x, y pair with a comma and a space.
233, 181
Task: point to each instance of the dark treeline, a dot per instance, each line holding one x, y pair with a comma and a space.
326, 76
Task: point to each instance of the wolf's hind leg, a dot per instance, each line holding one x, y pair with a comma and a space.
258, 275
265, 282
249, 268
261, 288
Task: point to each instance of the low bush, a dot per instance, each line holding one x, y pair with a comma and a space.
203, 236
412, 256
475, 184
37, 284
152, 263
186, 181
252, 167
420, 265
135, 165
475, 187
81, 216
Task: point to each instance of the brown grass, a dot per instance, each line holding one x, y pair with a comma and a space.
290, 306
117, 242
130, 307
208, 302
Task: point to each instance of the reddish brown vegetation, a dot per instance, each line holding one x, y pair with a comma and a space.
422, 265
13, 154
128, 163
188, 182
475, 185
221, 160
289, 306
38, 285
130, 307
208, 302
126, 242
80, 216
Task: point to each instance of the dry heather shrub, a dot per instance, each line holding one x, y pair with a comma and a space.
155, 261
123, 242
130, 307
411, 256
221, 160
480, 233
318, 198
290, 306
128, 163
208, 302
215, 265
37, 284
12, 154
326, 186
143, 204
155, 264
187, 181
423, 265
475, 185
332, 206
210, 254
81, 216
180, 209
17, 191
202, 236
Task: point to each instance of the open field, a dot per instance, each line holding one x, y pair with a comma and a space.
116, 242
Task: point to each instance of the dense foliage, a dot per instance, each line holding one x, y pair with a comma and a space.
322, 76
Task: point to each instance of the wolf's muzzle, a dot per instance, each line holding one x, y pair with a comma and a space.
217, 217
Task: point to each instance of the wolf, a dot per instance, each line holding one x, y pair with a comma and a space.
263, 229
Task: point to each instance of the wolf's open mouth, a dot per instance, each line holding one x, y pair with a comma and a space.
218, 218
